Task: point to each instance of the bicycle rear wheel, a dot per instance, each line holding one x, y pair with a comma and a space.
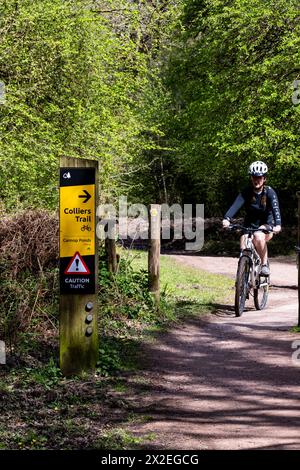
261, 294
241, 285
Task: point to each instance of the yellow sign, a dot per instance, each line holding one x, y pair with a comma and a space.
77, 220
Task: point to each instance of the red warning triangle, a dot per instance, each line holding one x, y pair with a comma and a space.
77, 266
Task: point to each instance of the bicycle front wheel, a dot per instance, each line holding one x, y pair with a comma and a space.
241, 285
261, 294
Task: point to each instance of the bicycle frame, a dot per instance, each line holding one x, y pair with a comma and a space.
254, 259
252, 280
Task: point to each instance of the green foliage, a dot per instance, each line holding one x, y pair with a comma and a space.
117, 354
173, 98
295, 329
230, 75
124, 295
31, 441
120, 439
109, 358
48, 375
125, 305
75, 74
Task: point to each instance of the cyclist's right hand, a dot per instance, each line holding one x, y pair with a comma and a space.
225, 223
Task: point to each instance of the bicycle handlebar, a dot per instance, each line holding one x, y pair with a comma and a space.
249, 229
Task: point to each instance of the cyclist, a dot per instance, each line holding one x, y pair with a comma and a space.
262, 211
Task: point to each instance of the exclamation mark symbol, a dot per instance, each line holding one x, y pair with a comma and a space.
77, 263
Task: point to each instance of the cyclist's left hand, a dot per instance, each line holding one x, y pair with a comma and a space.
277, 229
225, 223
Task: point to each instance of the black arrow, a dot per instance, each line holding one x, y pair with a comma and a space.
87, 196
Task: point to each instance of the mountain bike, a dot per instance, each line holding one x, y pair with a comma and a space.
249, 280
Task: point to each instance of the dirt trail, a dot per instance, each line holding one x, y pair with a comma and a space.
222, 382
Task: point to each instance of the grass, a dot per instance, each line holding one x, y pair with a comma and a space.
118, 353
120, 439
186, 284
295, 329
120, 387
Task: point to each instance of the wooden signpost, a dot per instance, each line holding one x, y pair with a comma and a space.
78, 266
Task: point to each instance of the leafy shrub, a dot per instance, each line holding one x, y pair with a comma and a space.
125, 294
48, 375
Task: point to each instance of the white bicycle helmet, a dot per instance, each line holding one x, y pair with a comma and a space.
258, 169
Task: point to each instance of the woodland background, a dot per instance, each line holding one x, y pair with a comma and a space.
174, 98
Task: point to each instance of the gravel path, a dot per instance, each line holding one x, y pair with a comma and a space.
222, 382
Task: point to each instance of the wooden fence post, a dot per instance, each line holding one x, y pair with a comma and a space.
78, 265
111, 250
154, 251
